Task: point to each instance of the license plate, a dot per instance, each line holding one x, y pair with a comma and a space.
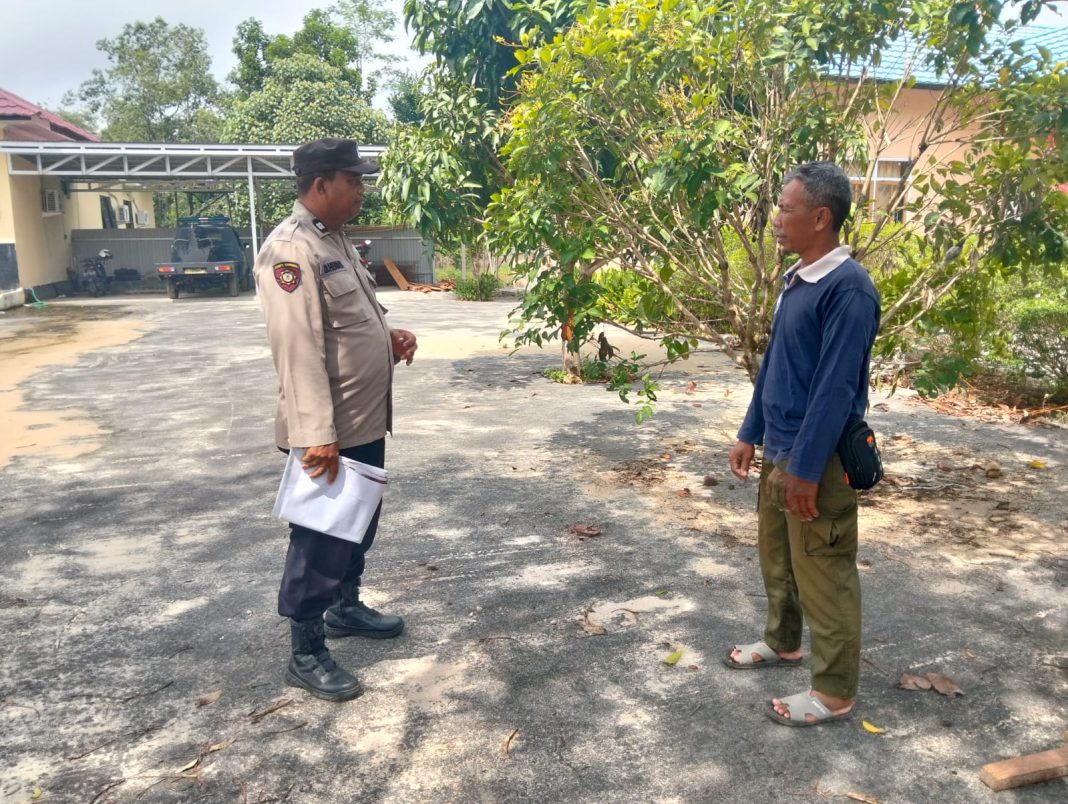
196, 270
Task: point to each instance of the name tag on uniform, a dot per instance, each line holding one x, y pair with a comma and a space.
330, 267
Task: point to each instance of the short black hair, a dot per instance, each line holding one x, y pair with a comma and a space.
305, 182
826, 185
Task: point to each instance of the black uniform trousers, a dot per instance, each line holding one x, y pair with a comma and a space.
317, 565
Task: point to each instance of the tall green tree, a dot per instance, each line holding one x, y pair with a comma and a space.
302, 99
405, 98
440, 175
347, 36
653, 137
157, 86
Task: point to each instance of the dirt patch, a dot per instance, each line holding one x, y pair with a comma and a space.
33, 346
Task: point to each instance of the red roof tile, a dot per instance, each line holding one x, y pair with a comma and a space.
12, 106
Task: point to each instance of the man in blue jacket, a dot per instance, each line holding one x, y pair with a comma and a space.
812, 382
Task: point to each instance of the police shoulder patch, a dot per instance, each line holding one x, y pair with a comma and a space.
287, 275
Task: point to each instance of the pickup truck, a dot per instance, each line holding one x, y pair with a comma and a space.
206, 252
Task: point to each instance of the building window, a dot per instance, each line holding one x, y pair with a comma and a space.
885, 184
107, 213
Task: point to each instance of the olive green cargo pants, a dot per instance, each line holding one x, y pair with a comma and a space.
810, 569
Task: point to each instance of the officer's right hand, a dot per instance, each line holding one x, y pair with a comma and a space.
741, 458
321, 459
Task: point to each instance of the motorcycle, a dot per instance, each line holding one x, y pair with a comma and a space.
94, 275
363, 248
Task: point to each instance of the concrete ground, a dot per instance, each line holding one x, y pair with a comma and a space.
143, 657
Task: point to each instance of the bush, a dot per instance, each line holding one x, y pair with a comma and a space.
1040, 340
477, 288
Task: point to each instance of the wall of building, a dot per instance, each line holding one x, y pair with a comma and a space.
41, 241
84, 208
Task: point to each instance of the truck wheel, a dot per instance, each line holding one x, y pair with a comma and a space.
172, 289
234, 290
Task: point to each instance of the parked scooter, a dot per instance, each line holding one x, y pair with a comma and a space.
94, 275
363, 248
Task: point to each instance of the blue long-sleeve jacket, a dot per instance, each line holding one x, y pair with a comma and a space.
814, 376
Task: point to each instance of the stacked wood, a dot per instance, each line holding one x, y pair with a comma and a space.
404, 284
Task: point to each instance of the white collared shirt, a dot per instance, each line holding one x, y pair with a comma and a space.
815, 271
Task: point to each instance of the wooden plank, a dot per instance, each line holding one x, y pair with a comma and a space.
1027, 769
394, 271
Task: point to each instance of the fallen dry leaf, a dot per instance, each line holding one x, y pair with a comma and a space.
863, 797
882, 407
1037, 464
260, 713
210, 698
945, 466
189, 766
968, 654
911, 681
682, 493
508, 742
665, 456
944, 685
710, 481
673, 659
221, 746
871, 729
585, 530
992, 469
691, 386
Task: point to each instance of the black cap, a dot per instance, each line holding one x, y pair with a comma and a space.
322, 156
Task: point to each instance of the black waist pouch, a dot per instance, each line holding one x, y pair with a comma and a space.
860, 455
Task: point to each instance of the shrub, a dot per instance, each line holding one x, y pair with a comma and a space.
1040, 339
477, 288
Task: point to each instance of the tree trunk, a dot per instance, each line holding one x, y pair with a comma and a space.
571, 364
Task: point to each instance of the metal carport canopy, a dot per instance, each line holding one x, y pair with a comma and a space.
153, 164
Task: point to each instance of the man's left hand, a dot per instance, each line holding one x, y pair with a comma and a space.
404, 345
801, 498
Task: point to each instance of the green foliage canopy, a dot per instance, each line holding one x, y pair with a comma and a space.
653, 134
157, 87
302, 99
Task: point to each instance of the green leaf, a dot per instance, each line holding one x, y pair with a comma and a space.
672, 659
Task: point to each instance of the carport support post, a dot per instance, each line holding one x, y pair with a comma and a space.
252, 209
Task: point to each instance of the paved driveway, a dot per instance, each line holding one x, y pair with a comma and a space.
143, 656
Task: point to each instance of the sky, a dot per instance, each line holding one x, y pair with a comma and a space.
48, 47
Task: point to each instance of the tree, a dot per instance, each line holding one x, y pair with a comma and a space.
653, 137
371, 23
157, 88
302, 99
441, 175
344, 36
404, 100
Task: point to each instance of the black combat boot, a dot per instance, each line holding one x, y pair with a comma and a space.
312, 668
349, 617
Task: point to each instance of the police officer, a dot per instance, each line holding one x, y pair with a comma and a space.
334, 355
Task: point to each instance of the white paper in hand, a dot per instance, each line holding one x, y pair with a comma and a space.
343, 508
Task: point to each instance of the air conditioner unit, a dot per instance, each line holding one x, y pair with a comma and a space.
142, 217
125, 214
51, 202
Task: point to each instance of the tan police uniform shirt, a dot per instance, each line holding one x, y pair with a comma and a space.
328, 336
